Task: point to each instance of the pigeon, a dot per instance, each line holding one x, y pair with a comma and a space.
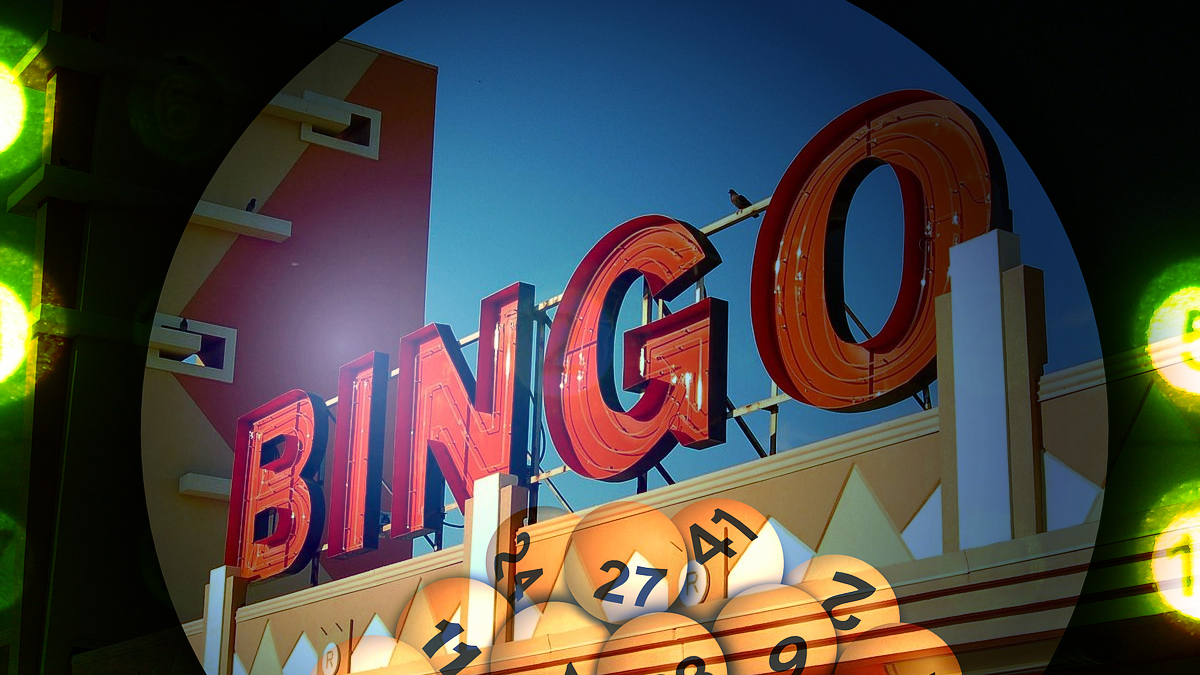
739, 201
250, 204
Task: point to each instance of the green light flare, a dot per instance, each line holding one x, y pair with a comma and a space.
1173, 339
1173, 524
1168, 325
14, 332
17, 273
21, 109
12, 552
12, 108
1174, 564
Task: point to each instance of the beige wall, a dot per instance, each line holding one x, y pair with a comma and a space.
177, 437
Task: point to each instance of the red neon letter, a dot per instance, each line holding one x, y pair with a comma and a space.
275, 507
357, 467
677, 362
952, 184
472, 430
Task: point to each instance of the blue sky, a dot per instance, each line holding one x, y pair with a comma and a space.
558, 121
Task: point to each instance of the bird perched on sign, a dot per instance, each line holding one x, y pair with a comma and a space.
739, 201
251, 204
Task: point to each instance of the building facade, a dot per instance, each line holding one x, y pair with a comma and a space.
990, 562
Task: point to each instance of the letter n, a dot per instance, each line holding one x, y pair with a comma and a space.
471, 428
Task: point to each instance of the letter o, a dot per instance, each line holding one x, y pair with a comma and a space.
953, 188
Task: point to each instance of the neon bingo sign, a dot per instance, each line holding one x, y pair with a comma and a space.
952, 184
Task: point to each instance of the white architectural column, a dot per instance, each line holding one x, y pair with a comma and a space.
494, 500
224, 594
981, 426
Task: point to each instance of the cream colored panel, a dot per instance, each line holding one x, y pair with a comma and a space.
269, 148
182, 440
266, 659
326, 610
1075, 429
903, 476
255, 167
861, 529
335, 72
303, 658
257, 164
200, 249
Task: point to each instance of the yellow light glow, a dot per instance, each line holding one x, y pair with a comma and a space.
14, 332
1173, 339
12, 108
1174, 564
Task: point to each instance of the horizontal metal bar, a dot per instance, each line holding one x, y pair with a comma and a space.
549, 474
759, 405
549, 302
736, 217
746, 431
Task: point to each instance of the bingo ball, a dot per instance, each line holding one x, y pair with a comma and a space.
853, 593
776, 628
897, 649
577, 637
453, 621
731, 547
624, 560
661, 644
528, 569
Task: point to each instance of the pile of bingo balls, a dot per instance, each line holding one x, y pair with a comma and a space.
626, 590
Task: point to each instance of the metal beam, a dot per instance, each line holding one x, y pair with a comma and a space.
546, 475
736, 217
764, 404
662, 471
746, 430
550, 484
